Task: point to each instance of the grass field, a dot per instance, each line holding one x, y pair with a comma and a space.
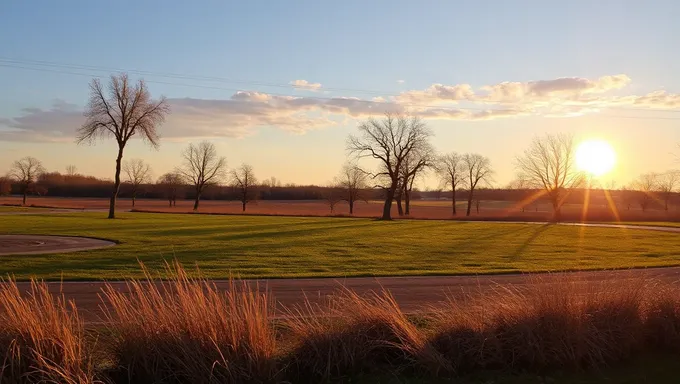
256, 246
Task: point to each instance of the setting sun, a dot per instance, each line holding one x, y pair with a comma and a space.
596, 157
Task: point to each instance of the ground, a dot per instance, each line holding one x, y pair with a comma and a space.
275, 247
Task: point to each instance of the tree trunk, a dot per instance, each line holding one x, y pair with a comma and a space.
244, 205
453, 200
170, 203
400, 208
24, 200
133, 200
387, 207
198, 198
407, 202
469, 205
351, 206
116, 185
557, 209
477, 206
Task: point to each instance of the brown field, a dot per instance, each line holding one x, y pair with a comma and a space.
420, 209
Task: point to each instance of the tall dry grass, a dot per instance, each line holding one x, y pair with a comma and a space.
42, 338
187, 331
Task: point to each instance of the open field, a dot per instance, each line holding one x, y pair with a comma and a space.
421, 209
275, 247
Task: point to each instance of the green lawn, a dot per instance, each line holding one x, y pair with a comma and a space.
257, 246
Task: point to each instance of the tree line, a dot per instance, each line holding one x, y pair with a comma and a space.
399, 146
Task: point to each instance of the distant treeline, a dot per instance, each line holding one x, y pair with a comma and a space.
56, 184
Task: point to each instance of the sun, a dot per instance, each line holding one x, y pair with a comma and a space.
596, 157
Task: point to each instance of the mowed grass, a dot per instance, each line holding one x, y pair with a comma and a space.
275, 247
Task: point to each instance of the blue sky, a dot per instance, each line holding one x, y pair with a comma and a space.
352, 49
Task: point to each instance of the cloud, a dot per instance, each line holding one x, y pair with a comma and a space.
401, 81
306, 85
246, 112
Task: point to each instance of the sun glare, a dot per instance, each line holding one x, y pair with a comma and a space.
596, 157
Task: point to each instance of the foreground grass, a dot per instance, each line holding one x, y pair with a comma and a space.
556, 329
256, 247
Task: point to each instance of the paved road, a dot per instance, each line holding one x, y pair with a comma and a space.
412, 293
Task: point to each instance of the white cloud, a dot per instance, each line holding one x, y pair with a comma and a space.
401, 81
245, 112
306, 85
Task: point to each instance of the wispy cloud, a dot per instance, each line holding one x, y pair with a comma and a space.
401, 81
245, 112
306, 85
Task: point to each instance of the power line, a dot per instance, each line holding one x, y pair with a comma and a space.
53, 67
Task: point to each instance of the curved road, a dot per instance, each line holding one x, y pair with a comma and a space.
412, 293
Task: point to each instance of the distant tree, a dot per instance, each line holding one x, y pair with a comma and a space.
521, 185
478, 201
202, 167
549, 164
645, 185
243, 179
138, 173
414, 165
390, 141
449, 168
477, 168
171, 183
127, 110
71, 170
353, 181
5, 186
666, 185
332, 195
26, 172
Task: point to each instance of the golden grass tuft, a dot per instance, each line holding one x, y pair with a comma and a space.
42, 338
186, 330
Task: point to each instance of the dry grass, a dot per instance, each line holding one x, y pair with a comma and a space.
185, 330
42, 338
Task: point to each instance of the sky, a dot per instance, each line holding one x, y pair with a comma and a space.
280, 85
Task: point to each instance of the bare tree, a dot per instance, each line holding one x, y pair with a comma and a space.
71, 170
138, 172
202, 167
449, 168
353, 181
477, 168
390, 141
122, 111
549, 164
245, 182
171, 183
666, 185
26, 172
414, 164
332, 194
646, 185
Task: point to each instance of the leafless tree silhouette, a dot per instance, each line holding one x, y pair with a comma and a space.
332, 194
26, 172
390, 141
549, 164
414, 165
666, 184
5, 186
71, 170
243, 179
122, 111
171, 183
645, 185
138, 172
449, 168
353, 181
202, 167
477, 169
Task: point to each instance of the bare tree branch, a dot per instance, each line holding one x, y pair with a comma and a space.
244, 180
202, 167
26, 172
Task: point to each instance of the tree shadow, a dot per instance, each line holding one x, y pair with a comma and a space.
520, 250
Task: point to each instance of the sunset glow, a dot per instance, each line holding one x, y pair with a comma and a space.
596, 157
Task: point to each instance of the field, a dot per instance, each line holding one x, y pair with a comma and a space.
420, 209
275, 247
